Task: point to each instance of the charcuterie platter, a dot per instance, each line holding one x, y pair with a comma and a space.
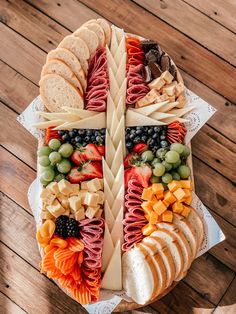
117, 209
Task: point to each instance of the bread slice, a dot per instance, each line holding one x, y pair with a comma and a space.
174, 248
71, 61
107, 30
57, 92
186, 251
79, 48
55, 66
139, 275
97, 29
161, 247
89, 37
188, 231
197, 225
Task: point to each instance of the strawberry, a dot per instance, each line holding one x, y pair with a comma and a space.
101, 149
82, 154
142, 173
129, 160
140, 148
86, 171
127, 176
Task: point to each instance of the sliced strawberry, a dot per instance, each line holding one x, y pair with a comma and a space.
101, 149
129, 159
87, 171
128, 175
142, 173
140, 148
86, 153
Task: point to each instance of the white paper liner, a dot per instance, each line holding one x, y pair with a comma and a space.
212, 232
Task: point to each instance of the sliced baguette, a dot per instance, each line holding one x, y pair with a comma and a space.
197, 224
164, 252
106, 28
89, 37
79, 48
71, 61
188, 231
182, 242
138, 272
174, 248
97, 29
59, 67
57, 92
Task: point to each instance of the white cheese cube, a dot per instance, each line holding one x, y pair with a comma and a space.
148, 99
56, 209
47, 196
75, 189
91, 199
79, 215
65, 203
182, 101
169, 89
91, 211
67, 213
98, 214
94, 185
162, 98
167, 77
101, 197
84, 185
64, 187
75, 203
158, 83
82, 194
53, 187
179, 89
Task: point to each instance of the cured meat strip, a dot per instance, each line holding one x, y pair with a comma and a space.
134, 51
98, 82
134, 216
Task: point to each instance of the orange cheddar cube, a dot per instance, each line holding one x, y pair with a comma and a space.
147, 217
157, 188
166, 203
159, 196
185, 212
147, 194
148, 229
186, 184
147, 207
169, 197
159, 207
179, 194
167, 216
154, 199
177, 207
174, 185
188, 200
153, 218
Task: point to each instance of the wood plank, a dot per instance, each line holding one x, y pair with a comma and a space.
208, 145
187, 54
223, 13
215, 191
7, 306
22, 144
26, 283
193, 23
26, 52
16, 91
228, 302
203, 280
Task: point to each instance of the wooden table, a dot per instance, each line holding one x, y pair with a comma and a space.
200, 37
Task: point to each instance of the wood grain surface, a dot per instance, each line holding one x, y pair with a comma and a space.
200, 37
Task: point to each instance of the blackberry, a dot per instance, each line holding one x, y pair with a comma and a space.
61, 228
72, 228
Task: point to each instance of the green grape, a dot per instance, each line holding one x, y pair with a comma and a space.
54, 157
179, 148
158, 170
66, 150
161, 152
172, 157
147, 155
48, 175
167, 178
184, 171
44, 161
186, 152
175, 175
154, 179
43, 181
44, 151
64, 166
155, 160
46, 168
176, 164
59, 177
167, 165
54, 144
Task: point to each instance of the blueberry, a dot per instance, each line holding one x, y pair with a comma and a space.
144, 138
129, 145
78, 139
93, 138
155, 148
73, 142
98, 139
97, 133
162, 137
139, 132
157, 129
132, 136
84, 144
89, 132
60, 132
137, 140
132, 131
87, 139
155, 135
164, 144
150, 131
103, 131
127, 137
163, 132
66, 137
81, 132
127, 130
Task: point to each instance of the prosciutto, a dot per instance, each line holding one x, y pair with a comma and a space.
136, 88
98, 82
134, 217
91, 231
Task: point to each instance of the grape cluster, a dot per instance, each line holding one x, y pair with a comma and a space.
78, 137
153, 136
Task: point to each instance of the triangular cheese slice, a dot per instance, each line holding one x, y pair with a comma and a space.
146, 111
108, 194
120, 108
110, 109
107, 249
118, 160
81, 112
108, 216
46, 124
168, 106
161, 115
181, 112
119, 202
170, 120
121, 71
136, 119
121, 92
114, 87
107, 173
110, 60
112, 278
109, 149
114, 42
95, 122
119, 134
117, 230
119, 34
114, 125
118, 182
67, 117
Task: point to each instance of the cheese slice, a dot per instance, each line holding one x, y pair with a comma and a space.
121, 92
95, 122
161, 115
110, 109
114, 87
109, 218
136, 119
46, 124
117, 160
180, 112
119, 134
114, 42
107, 248
118, 182
168, 106
118, 202
110, 60
117, 230
80, 112
109, 149
121, 71
150, 109
119, 34
107, 173
114, 125
120, 108
112, 278
108, 194
59, 115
